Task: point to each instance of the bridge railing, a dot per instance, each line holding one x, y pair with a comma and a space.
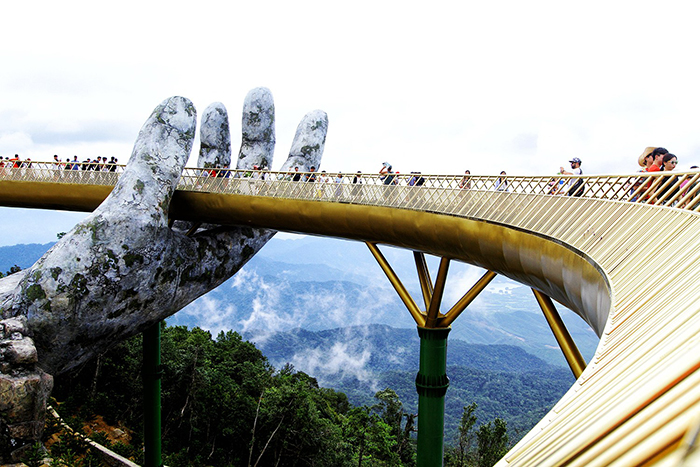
413, 190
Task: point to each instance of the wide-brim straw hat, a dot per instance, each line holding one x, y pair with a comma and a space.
644, 155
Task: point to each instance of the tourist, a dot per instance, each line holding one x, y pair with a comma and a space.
576, 186
658, 155
690, 189
356, 182
416, 179
466, 182
339, 182
645, 160
651, 162
501, 183
668, 164
312, 176
386, 174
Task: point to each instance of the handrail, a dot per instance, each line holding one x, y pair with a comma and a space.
670, 189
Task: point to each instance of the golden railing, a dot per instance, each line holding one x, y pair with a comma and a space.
638, 399
434, 192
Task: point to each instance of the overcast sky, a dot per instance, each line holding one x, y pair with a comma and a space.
435, 86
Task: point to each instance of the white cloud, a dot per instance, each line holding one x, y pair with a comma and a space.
440, 88
211, 314
342, 359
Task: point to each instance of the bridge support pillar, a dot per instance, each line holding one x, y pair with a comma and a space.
151, 397
431, 384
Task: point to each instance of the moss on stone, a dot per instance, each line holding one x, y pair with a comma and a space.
307, 150
167, 276
254, 118
115, 313
247, 253
139, 186
131, 258
35, 292
78, 286
93, 227
55, 272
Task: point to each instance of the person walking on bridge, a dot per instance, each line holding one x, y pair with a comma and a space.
576, 186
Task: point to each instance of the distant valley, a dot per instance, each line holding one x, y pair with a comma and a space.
324, 306
318, 283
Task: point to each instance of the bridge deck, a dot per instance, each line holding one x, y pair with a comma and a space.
630, 269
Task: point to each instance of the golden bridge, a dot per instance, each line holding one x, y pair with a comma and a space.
625, 256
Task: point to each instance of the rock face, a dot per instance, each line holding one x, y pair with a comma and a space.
215, 138
123, 269
24, 389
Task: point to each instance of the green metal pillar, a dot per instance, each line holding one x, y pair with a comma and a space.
151, 397
431, 384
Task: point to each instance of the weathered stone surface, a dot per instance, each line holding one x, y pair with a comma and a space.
21, 395
215, 138
309, 142
123, 268
18, 351
12, 326
258, 130
23, 407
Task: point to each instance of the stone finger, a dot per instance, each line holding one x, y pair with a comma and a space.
309, 142
257, 130
215, 138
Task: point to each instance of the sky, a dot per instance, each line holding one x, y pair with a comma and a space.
437, 87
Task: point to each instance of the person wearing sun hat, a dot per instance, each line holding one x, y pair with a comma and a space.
646, 158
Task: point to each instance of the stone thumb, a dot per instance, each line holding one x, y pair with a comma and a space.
159, 155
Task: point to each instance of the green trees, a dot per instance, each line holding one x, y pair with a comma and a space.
463, 452
12, 270
492, 442
224, 405
490, 446
378, 435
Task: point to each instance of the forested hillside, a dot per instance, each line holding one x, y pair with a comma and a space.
504, 380
224, 404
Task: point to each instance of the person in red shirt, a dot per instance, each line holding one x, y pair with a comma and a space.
15, 161
658, 155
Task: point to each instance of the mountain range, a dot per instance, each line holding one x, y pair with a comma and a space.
324, 306
317, 283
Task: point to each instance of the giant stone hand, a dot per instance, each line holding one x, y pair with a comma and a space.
124, 268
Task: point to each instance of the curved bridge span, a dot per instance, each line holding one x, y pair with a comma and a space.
625, 256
